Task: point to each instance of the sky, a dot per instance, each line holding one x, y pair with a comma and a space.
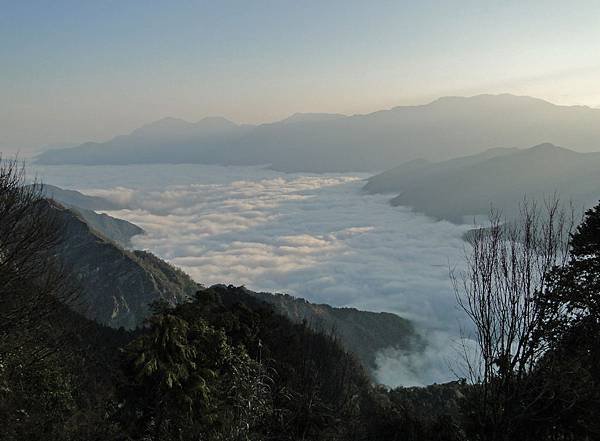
75, 71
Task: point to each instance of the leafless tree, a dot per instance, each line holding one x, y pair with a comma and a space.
507, 267
32, 282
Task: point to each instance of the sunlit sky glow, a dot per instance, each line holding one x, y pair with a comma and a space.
74, 71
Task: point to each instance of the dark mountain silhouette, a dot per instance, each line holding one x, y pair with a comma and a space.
364, 333
117, 230
169, 140
465, 187
445, 128
117, 285
78, 199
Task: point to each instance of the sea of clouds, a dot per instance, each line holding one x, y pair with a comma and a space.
313, 236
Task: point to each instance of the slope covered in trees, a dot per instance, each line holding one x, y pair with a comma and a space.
117, 286
364, 333
117, 230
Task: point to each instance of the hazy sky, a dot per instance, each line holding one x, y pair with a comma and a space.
77, 70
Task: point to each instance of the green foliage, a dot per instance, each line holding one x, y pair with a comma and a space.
184, 380
570, 373
59, 382
575, 294
316, 385
35, 399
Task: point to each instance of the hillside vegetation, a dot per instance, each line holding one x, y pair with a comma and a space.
362, 332
117, 230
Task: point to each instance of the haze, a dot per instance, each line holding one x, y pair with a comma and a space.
81, 71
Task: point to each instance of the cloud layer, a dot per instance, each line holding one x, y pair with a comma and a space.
313, 236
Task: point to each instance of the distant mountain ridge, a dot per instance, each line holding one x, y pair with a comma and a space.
461, 188
440, 130
73, 197
117, 230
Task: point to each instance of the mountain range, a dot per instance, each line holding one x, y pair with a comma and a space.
440, 130
461, 188
117, 287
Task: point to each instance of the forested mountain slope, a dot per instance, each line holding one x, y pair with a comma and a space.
118, 230
364, 333
117, 285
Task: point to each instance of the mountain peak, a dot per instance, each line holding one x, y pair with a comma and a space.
548, 148
215, 122
299, 117
168, 121
491, 99
545, 146
164, 124
171, 125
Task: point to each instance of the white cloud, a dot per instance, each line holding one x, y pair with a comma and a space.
441, 359
313, 236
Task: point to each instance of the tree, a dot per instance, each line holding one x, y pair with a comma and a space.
571, 326
507, 267
32, 282
35, 390
574, 293
186, 382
